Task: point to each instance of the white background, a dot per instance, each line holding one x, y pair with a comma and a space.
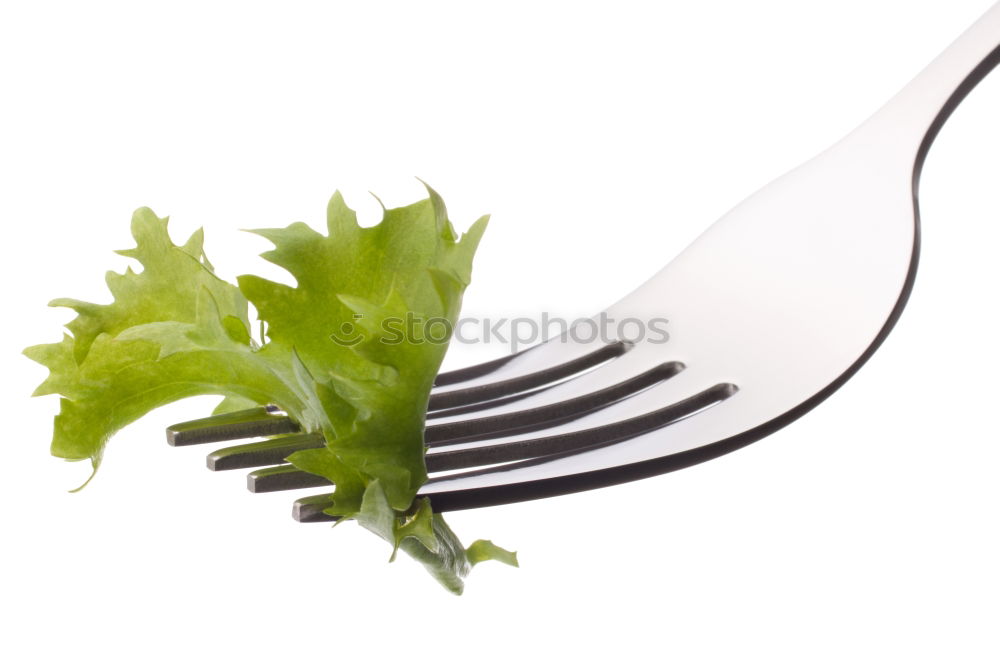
602, 137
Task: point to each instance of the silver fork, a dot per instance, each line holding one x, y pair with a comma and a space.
771, 310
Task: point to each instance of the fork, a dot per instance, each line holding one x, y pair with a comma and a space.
770, 311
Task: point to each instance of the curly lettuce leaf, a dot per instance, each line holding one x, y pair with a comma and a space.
109, 377
358, 290
426, 537
347, 354
163, 291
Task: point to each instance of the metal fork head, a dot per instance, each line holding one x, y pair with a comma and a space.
770, 311
501, 433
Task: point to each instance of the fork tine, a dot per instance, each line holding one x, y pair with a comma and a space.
545, 449
257, 454
551, 414
530, 452
268, 420
275, 451
254, 422
552, 446
282, 477
526, 382
287, 477
312, 509
477, 371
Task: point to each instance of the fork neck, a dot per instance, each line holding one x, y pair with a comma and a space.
916, 114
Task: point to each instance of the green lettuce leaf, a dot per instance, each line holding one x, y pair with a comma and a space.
365, 286
350, 351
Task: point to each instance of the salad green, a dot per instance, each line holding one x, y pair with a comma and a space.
175, 329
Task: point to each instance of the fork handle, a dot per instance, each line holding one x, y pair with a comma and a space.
917, 112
